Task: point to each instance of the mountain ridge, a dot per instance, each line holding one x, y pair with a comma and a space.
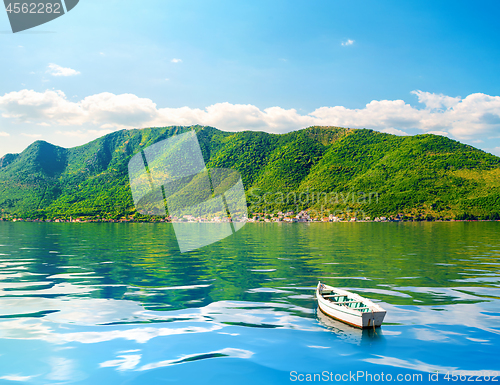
419, 176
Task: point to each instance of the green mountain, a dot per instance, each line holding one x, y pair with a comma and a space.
327, 169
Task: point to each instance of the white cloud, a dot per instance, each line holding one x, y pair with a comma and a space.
49, 107
118, 110
475, 117
383, 114
174, 60
442, 133
4, 134
57, 70
394, 131
435, 101
236, 117
348, 42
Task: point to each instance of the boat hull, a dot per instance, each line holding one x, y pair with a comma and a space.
373, 318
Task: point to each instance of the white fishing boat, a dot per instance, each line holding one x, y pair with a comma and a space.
349, 307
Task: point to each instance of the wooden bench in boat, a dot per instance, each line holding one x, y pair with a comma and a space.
341, 295
343, 302
362, 308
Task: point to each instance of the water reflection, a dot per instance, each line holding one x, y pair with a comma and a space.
349, 333
101, 299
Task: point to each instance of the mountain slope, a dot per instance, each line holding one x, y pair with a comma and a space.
418, 174
324, 168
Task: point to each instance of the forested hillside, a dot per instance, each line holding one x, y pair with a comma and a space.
329, 169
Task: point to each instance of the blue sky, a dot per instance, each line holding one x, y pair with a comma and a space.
277, 66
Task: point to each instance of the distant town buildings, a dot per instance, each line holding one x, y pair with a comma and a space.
303, 216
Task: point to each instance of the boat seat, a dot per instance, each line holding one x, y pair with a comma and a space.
351, 304
360, 306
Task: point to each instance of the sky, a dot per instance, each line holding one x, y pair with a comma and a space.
399, 67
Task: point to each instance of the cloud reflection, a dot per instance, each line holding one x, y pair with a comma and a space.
227, 352
415, 365
16, 377
124, 363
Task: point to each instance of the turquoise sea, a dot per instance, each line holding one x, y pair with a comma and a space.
119, 304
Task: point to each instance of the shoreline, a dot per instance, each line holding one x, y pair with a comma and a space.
20, 220
304, 216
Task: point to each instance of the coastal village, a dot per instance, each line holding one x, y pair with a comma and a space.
304, 216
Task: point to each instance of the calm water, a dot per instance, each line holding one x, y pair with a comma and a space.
118, 303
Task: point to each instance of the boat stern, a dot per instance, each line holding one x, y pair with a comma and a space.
373, 319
